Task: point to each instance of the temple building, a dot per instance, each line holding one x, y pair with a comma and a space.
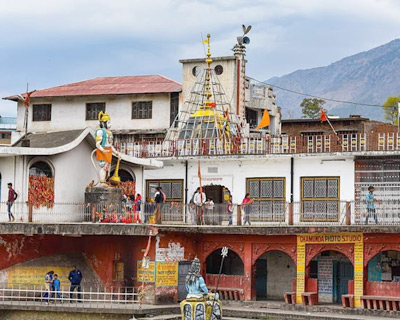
310, 233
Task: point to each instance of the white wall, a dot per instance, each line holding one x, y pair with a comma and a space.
70, 113
7, 175
233, 173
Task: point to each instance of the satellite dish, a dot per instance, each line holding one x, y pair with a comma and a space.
246, 40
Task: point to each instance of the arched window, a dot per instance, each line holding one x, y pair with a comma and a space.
125, 175
233, 265
41, 185
41, 169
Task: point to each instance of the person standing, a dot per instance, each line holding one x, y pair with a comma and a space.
158, 198
370, 199
48, 279
246, 205
56, 287
12, 196
199, 200
137, 208
229, 209
75, 277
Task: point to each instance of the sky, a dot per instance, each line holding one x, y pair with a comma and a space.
47, 43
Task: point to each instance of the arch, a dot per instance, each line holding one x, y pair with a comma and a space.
372, 249
312, 250
384, 266
233, 264
273, 275
209, 247
40, 182
333, 271
42, 167
125, 173
288, 248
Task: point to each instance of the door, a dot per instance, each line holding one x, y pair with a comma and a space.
183, 270
344, 273
261, 279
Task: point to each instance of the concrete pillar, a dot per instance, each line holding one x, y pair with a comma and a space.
248, 275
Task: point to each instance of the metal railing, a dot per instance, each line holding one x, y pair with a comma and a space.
123, 297
269, 212
283, 144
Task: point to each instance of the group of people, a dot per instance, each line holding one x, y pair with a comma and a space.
53, 284
133, 206
205, 207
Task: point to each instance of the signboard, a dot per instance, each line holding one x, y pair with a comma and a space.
146, 274
173, 253
318, 238
34, 276
167, 274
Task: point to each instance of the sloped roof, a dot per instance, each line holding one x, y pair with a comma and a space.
51, 139
110, 85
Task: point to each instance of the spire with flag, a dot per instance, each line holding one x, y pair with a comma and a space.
206, 113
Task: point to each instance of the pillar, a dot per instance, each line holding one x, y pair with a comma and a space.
248, 252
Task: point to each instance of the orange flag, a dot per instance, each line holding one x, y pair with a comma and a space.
323, 115
264, 121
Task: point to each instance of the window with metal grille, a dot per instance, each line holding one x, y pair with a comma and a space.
173, 189
320, 198
269, 198
142, 110
41, 112
93, 109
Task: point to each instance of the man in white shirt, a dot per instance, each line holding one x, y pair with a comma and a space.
199, 200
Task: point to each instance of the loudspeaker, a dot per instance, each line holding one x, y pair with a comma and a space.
246, 40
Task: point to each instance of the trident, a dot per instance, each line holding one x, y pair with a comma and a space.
224, 254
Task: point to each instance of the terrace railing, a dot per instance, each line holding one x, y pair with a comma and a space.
266, 213
283, 144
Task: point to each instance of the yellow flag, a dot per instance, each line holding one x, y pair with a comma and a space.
206, 41
264, 121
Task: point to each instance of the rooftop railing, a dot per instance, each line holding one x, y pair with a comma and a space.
283, 144
260, 213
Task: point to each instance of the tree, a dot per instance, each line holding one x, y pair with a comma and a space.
391, 109
311, 108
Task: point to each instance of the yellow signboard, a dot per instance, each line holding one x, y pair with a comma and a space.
318, 238
34, 276
330, 238
167, 274
146, 274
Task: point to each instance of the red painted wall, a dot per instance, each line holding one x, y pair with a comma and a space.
385, 289
226, 281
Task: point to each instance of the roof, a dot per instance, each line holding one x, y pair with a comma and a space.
51, 139
8, 123
215, 59
109, 86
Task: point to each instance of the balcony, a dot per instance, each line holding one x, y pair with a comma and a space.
263, 214
269, 145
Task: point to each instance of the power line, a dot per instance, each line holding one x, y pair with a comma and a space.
317, 97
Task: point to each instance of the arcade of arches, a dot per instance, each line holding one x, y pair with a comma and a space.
265, 267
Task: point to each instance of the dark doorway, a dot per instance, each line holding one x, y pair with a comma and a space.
183, 270
261, 279
344, 272
215, 193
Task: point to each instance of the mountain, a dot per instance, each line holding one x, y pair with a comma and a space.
367, 77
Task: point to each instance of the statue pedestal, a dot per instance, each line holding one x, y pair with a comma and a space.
105, 203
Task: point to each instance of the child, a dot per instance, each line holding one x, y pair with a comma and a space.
56, 286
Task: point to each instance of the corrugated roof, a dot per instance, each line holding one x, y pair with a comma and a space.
110, 85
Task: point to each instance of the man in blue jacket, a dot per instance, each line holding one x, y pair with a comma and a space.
75, 277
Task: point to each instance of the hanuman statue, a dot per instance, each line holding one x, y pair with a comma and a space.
104, 148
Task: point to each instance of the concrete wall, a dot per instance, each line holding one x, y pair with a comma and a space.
70, 113
281, 270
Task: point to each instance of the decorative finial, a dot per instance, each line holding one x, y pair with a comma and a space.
207, 92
